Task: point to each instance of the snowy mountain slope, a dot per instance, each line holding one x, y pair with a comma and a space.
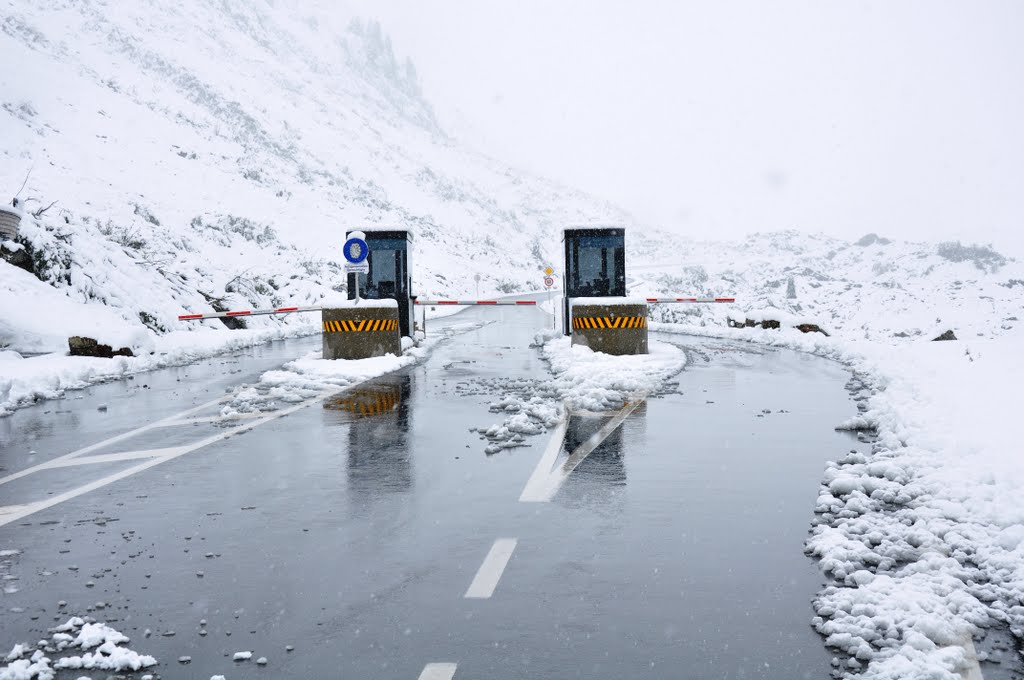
223, 148
873, 289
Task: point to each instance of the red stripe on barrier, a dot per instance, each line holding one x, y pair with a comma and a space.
287, 309
447, 302
186, 317
526, 302
725, 299
486, 302
652, 299
686, 299
245, 313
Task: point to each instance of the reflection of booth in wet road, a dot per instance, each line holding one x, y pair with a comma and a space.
595, 265
379, 458
390, 273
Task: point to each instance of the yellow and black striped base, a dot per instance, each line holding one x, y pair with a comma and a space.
360, 326
367, 403
580, 322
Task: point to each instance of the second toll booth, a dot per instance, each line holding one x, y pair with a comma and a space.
595, 266
390, 273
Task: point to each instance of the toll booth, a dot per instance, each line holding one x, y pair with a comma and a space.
595, 266
390, 274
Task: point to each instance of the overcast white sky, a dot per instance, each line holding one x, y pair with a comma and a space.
719, 118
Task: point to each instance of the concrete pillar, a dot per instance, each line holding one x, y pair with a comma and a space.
362, 330
610, 327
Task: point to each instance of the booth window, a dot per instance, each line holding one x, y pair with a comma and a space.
387, 272
599, 265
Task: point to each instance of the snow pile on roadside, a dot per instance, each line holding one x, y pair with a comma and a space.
582, 380
923, 539
874, 288
594, 381
77, 633
312, 376
23, 381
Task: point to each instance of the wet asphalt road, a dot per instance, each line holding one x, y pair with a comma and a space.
674, 550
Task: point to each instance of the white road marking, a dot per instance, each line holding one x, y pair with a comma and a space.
19, 510
111, 440
490, 571
585, 449
114, 457
212, 419
438, 671
13, 513
973, 670
544, 483
533, 491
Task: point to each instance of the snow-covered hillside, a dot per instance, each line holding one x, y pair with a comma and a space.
873, 289
216, 152
211, 155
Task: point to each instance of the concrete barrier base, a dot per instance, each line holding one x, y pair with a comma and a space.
361, 331
610, 327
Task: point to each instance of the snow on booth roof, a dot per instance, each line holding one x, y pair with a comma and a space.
340, 301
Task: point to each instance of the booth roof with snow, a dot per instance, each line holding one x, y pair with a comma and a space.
390, 275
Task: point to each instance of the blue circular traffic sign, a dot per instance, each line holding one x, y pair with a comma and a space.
355, 250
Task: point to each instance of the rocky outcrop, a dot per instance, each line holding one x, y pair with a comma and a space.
88, 347
771, 323
948, 335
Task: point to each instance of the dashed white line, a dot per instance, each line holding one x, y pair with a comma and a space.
438, 671
487, 577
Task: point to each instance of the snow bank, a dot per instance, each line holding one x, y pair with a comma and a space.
312, 375
581, 380
35, 317
923, 539
23, 381
594, 381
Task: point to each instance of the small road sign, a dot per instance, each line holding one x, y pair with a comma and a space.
360, 268
355, 251
548, 282
548, 271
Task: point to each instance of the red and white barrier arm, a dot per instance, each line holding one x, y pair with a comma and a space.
690, 299
247, 312
442, 303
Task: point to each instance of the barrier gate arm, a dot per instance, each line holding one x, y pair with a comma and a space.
689, 299
440, 303
247, 312
424, 303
